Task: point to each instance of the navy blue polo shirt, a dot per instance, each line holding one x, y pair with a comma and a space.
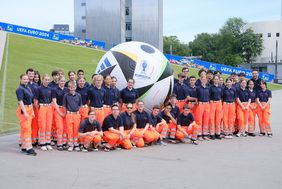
192, 92
129, 96
216, 93
264, 95
256, 84
236, 86
96, 96
253, 95
155, 119
229, 95
109, 96
165, 117
32, 86
43, 94
72, 102
24, 93
203, 93
52, 84
198, 82
180, 90
187, 81
83, 93
116, 95
183, 120
111, 122
243, 95
86, 126
175, 111
59, 94
127, 120
141, 118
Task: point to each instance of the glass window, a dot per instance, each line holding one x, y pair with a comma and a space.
128, 39
268, 34
128, 26
83, 4
277, 34
126, 11
83, 17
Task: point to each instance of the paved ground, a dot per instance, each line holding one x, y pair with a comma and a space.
238, 163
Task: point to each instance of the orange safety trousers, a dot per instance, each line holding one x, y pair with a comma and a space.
61, 129
172, 130
54, 127
34, 125
242, 117
162, 128
100, 116
83, 111
45, 120
150, 136
193, 108
136, 138
180, 104
72, 125
264, 116
252, 117
202, 119
87, 140
25, 130
229, 116
113, 139
190, 130
215, 117
107, 111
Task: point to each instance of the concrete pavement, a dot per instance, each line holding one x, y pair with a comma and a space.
237, 163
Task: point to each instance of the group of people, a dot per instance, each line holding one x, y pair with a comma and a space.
75, 115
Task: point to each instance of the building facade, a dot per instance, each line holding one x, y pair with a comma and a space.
117, 21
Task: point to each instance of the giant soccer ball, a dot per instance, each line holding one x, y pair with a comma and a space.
144, 63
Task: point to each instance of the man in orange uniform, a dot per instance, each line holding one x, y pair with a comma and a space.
72, 102
113, 130
90, 133
186, 126
181, 91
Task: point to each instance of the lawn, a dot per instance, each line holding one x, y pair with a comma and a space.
45, 56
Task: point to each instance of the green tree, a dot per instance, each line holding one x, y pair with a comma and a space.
178, 48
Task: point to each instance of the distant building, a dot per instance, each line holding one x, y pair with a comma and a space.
271, 31
117, 21
61, 28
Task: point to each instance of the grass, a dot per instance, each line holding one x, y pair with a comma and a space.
45, 56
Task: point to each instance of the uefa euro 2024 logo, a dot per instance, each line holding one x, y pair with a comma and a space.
143, 70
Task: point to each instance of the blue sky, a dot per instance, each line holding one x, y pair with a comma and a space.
183, 18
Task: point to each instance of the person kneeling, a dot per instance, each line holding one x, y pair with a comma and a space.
186, 126
90, 133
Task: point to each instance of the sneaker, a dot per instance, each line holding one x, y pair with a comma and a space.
226, 137
23, 150
65, 147
53, 143
161, 143
193, 142
60, 148
244, 135
44, 148
261, 134
70, 149
252, 134
95, 150
172, 141
269, 134
230, 136
238, 135
35, 144
106, 149
218, 137
76, 148
200, 138
84, 149
49, 147
206, 138
31, 152
212, 137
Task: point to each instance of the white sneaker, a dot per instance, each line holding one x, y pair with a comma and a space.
226, 137
238, 135
84, 150
70, 149
77, 149
230, 136
49, 147
44, 148
244, 134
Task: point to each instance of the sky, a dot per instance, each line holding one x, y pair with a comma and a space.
183, 18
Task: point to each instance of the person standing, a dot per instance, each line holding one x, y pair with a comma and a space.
128, 95
255, 78
181, 91
82, 89
25, 114
252, 110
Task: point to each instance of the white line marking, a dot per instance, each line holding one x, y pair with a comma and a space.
2, 104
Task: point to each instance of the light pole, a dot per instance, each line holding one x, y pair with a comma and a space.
276, 70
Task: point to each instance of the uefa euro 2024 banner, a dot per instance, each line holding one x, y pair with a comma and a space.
213, 66
46, 35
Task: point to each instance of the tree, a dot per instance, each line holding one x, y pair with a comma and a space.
178, 48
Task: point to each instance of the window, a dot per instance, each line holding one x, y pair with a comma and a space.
128, 26
126, 11
128, 39
83, 30
83, 17
268, 34
83, 4
277, 34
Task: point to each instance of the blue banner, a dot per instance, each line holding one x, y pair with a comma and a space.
196, 63
51, 36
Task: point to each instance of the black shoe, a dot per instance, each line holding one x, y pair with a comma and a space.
218, 137
194, 142
60, 148
23, 150
269, 134
262, 134
31, 152
212, 137
65, 147
171, 140
252, 134
35, 144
